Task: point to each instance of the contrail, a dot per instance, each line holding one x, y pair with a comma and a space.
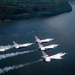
6, 69
3, 56
4, 48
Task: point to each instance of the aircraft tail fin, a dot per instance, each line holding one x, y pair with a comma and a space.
37, 39
44, 53
15, 43
40, 45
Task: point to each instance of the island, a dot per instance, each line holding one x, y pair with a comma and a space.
27, 9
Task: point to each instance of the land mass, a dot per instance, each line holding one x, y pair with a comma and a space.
25, 9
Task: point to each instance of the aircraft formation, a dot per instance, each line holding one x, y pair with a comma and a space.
42, 48
48, 57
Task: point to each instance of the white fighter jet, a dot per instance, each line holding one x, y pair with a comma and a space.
49, 57
42, 48
44, 40
21, 45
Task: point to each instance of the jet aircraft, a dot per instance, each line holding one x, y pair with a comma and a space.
21, 45
48, 57
42, 48
43, 40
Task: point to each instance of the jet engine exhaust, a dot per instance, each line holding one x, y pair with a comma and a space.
3, 56
6, 69
4, 48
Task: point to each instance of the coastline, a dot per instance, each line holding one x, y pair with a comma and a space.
39, 14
